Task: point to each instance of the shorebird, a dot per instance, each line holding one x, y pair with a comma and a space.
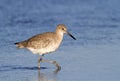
45, 43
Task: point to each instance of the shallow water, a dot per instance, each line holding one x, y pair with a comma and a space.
94, 56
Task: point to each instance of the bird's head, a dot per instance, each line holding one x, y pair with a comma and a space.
61, 28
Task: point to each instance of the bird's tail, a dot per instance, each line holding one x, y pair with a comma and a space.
19, 44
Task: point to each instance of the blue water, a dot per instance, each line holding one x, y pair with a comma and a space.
94, 56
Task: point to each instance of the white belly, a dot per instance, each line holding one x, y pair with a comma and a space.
41, 51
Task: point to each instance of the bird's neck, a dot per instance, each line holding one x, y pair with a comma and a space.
59, 38
59, 34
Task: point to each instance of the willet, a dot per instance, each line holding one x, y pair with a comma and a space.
45, 43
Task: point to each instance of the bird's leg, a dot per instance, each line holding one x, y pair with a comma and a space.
53, 62
39, 60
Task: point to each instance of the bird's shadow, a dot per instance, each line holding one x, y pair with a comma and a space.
11, 67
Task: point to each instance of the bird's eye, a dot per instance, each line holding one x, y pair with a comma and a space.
62, 28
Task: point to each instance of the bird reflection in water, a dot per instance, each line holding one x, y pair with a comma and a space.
47, 76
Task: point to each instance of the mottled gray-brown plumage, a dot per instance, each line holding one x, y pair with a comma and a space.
45, 42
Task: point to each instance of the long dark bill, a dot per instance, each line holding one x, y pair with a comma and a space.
71, 35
